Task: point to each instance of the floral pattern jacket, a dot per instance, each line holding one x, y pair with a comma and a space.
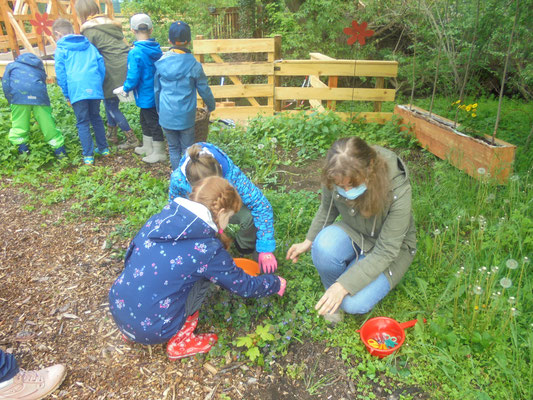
172, 251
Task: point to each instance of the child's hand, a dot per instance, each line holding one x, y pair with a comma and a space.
282, 286
268, 262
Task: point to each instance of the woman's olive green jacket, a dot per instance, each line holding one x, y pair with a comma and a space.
388, 240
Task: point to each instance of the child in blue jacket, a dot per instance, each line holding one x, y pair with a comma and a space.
141, 69
80, 72
178, 76
24, 85
170, 265
255, 218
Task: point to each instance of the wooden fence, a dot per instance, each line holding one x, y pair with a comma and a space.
221, 59
16, 30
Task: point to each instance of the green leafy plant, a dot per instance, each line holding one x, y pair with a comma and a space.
256, 341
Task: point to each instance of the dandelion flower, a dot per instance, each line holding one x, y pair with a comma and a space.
437, 232
506, 283
494, 269
511, 300
273, 140
468, 107
476, 308
472, 219
526, 260
260, 146
478, 290
481, 171
512, 264
514, 178
484, 306
474, 105
474, 115
459, 216
514, 312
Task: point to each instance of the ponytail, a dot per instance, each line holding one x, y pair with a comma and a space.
201, 165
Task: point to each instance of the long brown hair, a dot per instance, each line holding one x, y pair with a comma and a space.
216, 193
201, 165
86, 9
353, 158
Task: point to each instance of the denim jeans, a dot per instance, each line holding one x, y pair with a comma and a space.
178, 141
8, 366
114, 115
87, 113
333, 252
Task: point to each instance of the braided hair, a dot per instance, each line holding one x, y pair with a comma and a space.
216, 193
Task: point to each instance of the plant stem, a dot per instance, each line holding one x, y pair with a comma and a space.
465, 80
505, 73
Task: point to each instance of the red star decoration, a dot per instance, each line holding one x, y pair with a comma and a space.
358, 33
41, 24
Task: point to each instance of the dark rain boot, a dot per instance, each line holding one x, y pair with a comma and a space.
131, 141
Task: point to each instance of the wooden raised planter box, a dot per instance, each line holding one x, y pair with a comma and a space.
436, 134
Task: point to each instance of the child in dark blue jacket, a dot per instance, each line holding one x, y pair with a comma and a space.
80, 72
141, 69
170, 265
24, 84
178, 76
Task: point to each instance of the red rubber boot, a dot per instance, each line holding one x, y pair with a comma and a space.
185, 343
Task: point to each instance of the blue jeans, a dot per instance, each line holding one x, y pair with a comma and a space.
333, 253
88, 113
114, 115
8, 366
178, 141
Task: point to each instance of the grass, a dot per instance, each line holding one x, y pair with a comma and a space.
476, 344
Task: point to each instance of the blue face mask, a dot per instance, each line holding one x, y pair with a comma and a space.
353, 193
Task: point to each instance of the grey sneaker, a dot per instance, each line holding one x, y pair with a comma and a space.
34, 385
334, 318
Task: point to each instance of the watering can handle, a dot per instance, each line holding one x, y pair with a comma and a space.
409, 324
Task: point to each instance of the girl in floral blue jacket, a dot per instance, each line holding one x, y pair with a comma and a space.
170, 265
256, 219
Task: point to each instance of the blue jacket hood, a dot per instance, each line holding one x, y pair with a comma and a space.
74, 42
149, 47
30, 59
192, 222
172, 66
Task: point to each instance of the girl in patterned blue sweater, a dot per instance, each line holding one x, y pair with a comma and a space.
170, 265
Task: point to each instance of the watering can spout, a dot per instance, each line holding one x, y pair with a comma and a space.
410, 324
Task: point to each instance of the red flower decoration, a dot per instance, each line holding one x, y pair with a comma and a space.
358, 32
41, 24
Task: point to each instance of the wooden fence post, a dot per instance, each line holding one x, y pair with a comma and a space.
275, 80
380, 84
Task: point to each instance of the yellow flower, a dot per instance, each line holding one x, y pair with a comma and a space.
457, 102
468, 107
476, 308
474, 105
462, 107
474, 115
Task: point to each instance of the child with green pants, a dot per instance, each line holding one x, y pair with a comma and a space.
24, 85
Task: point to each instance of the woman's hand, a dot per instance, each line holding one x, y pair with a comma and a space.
297, 249
332, 299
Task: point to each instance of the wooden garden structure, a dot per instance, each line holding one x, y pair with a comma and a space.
17, 32
241, 97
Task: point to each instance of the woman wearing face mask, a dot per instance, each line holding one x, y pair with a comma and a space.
364, 254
